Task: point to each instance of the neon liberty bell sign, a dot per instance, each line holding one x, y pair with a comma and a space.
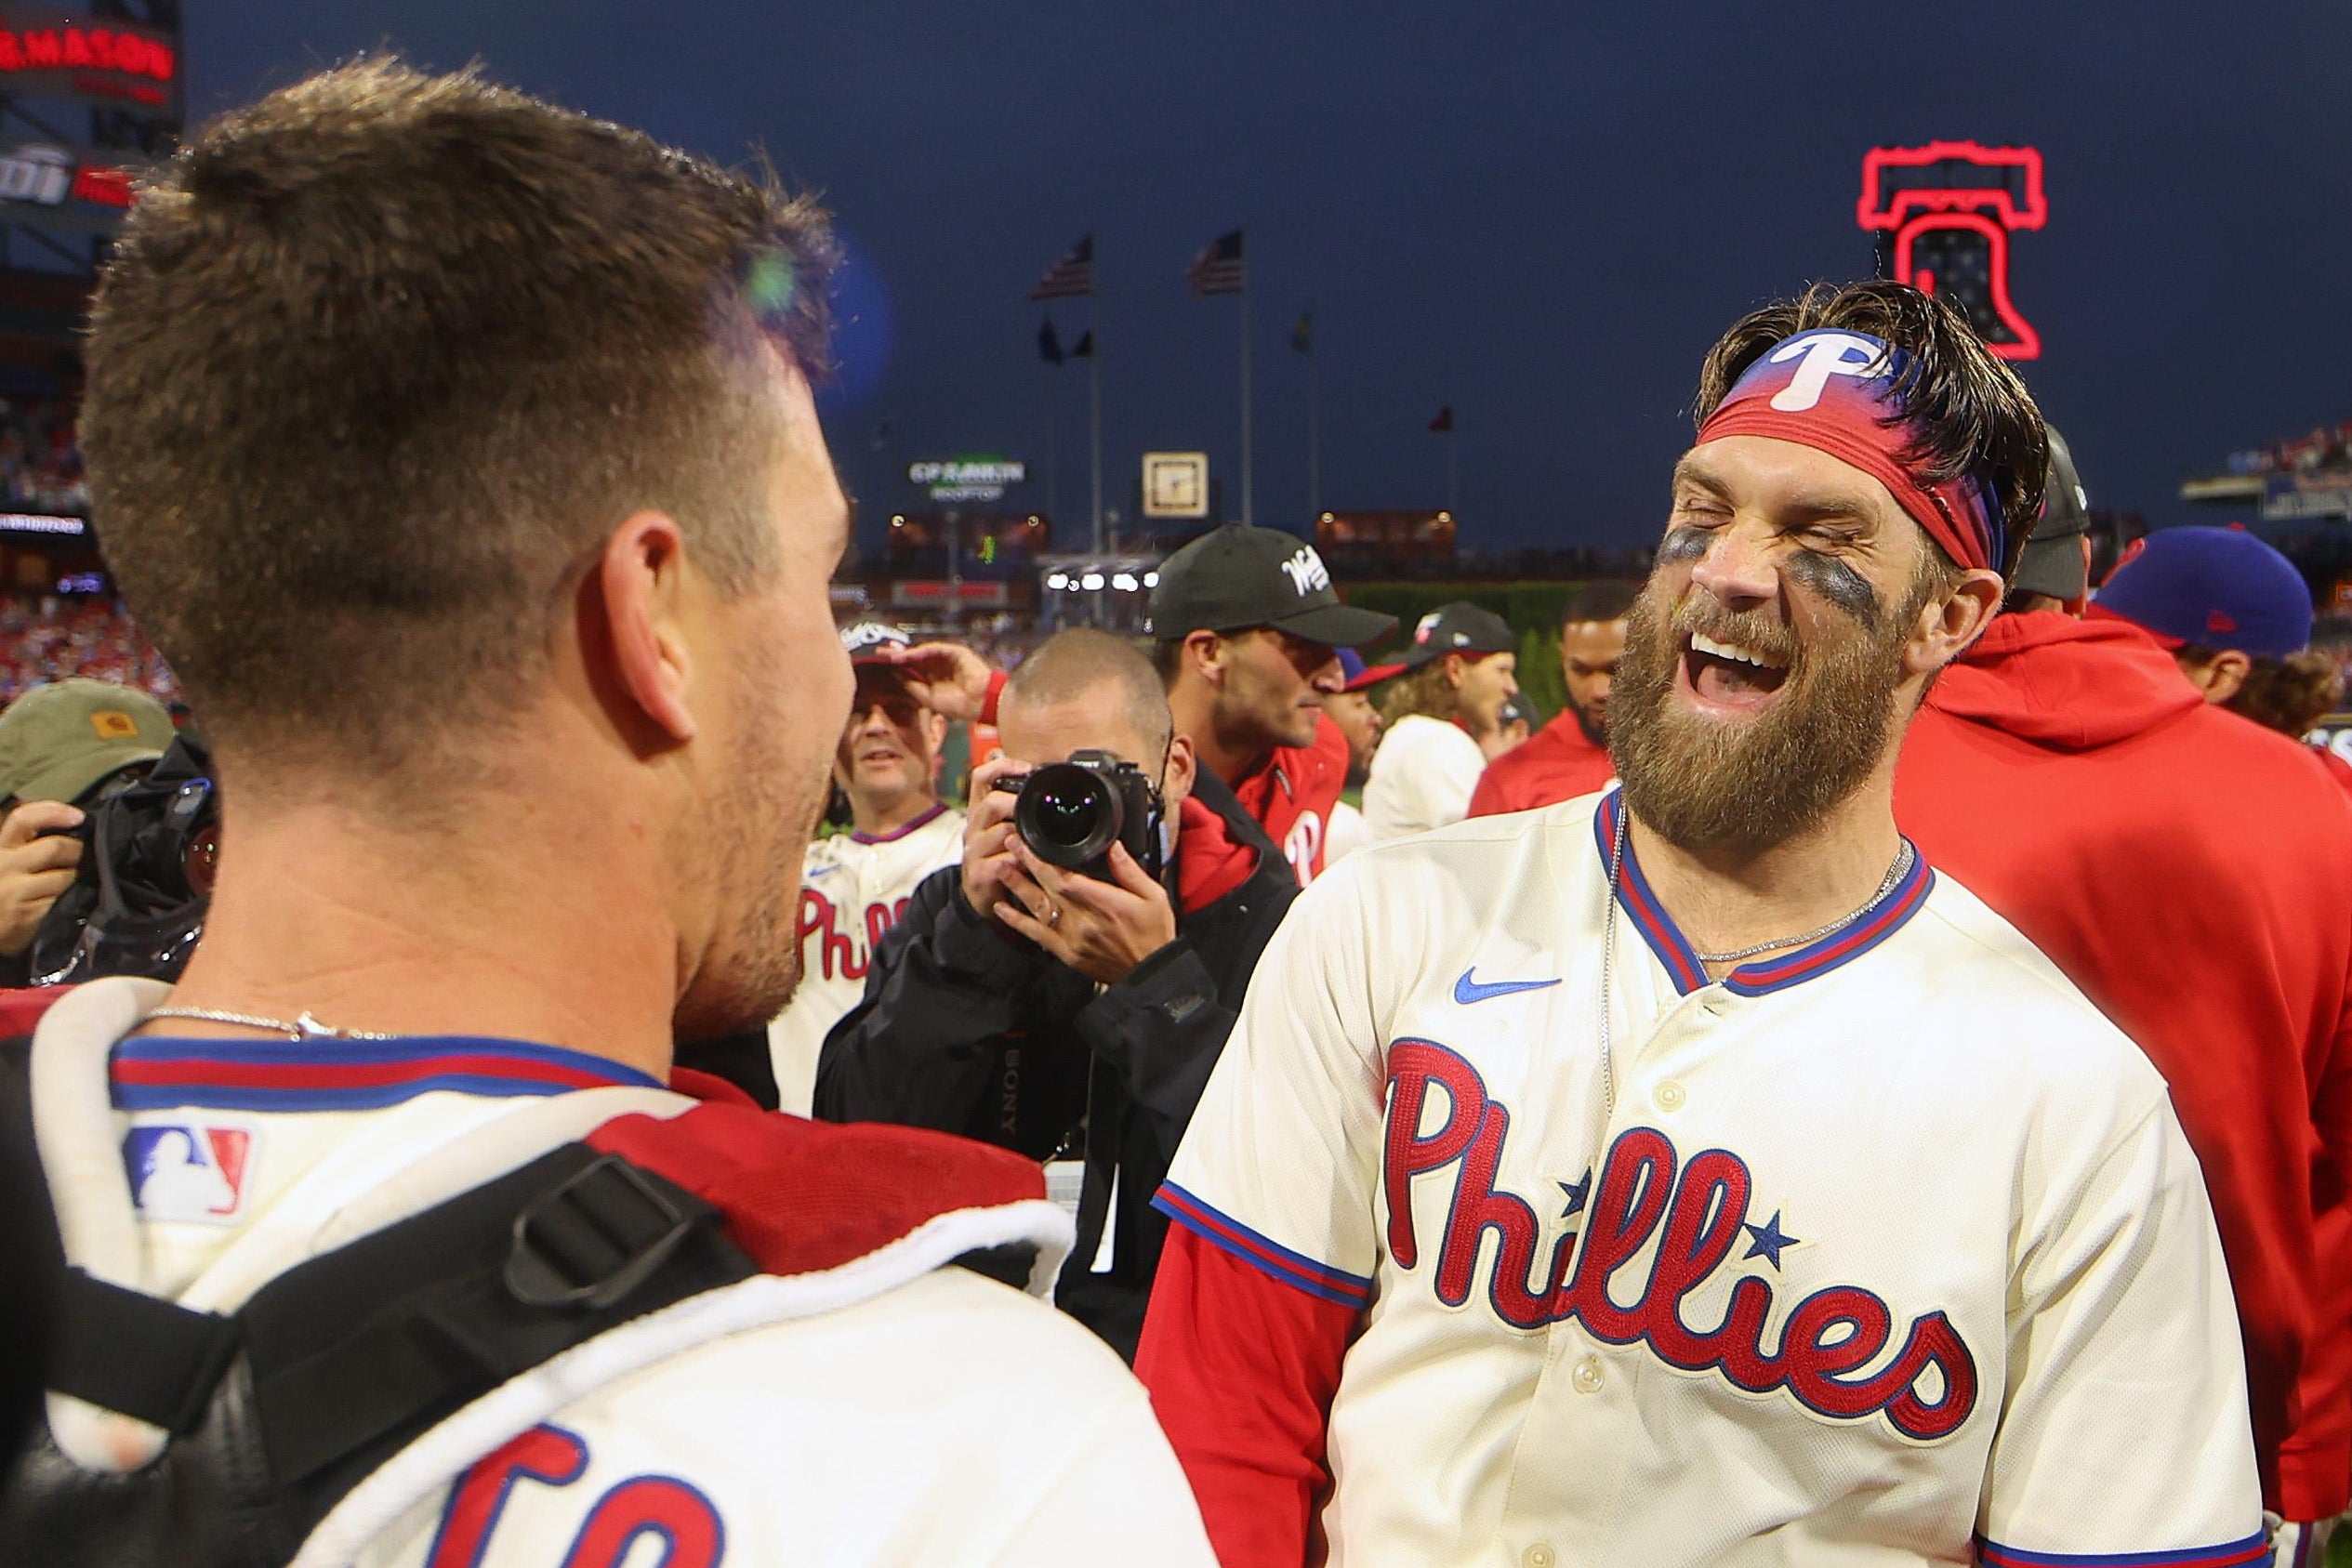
1943, 213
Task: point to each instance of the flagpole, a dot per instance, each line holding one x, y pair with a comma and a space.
1052, 451
1453, 466
1094, 411
1314, 421
1247, 518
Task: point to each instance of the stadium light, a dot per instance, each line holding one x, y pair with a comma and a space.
1092, 582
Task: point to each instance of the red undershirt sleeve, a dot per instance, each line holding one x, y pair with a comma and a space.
1242, 1369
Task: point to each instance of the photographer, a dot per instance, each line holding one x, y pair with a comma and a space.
1043, 1008
64, 748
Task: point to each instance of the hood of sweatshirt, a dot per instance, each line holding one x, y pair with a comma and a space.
2064, 685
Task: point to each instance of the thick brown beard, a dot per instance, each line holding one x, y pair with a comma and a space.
1703, 785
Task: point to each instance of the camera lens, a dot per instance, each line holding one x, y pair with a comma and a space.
1068, 815
1064, 818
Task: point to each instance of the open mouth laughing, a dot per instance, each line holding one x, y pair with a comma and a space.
1730, 677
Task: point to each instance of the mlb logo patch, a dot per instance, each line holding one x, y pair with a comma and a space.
189, 1171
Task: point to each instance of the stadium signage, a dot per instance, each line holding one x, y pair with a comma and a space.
34, 174
969, 479
2296, 497
55, 53
34, 522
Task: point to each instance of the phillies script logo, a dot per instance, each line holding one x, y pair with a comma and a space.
838, 954
1696, 1211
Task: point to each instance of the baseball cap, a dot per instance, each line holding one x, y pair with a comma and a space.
2217, 588
1359, 675
1235, 577
57, 740
867, 638
2052, 561
1459, 628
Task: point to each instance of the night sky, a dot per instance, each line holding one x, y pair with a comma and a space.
1541, 215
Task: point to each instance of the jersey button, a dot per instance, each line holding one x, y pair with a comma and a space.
1669, 1096
1539, 1555
1587, 1378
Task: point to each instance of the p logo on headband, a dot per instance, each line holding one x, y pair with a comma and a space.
1824, 354
1835, 391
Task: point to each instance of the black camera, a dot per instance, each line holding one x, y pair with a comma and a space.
1070, 813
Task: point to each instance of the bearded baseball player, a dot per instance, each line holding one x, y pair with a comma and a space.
855, 885
461, 450
1691, 1175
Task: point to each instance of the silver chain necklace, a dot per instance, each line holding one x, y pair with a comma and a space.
1895, 875
304, 1027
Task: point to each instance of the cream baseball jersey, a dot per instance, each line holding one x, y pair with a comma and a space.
1882, 1251
853, 886
941, 1419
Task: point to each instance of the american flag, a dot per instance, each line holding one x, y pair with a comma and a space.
1070, 278
1219, 268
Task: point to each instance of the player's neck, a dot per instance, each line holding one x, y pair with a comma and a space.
1724, 900
880, 818
318, 908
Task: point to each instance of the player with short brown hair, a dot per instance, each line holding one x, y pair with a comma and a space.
461, 451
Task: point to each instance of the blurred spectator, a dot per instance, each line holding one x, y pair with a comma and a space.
1515, 722
49, 637
1352, 709
853, 885
1459, 670
2236, 616
1568, 756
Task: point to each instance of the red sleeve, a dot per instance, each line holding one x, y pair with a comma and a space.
1242, 1369
1489, 800
2313, 1463
997, 680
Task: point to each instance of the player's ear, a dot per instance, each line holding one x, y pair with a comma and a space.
1207, 652
631, 615
1183, 765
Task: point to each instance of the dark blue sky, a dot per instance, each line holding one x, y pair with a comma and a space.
1539, 213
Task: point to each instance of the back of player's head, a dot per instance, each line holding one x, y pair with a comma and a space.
1599, 604
1080, 660
381, 358
1965, 415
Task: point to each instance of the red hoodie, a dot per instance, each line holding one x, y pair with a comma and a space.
2192, 872
1558, 762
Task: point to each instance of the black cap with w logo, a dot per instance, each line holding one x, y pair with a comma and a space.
1235, 577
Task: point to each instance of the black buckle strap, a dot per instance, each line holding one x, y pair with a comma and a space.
354, 1352
599, 1236
125, 1351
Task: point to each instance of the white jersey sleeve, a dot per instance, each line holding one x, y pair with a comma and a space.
1281, 1161
949, 1422
1422, 777
2125, 1343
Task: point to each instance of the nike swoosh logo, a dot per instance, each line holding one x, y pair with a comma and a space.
1467, 990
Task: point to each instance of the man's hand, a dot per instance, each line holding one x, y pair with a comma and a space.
990, 840
947, 678
1102, 929
33, 868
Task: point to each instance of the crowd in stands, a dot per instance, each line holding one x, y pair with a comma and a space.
40, 460
47, 637
2325, 447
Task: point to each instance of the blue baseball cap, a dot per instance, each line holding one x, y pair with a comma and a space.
2217, 588
1357, 676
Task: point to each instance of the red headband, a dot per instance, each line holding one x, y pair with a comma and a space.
1835, 391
